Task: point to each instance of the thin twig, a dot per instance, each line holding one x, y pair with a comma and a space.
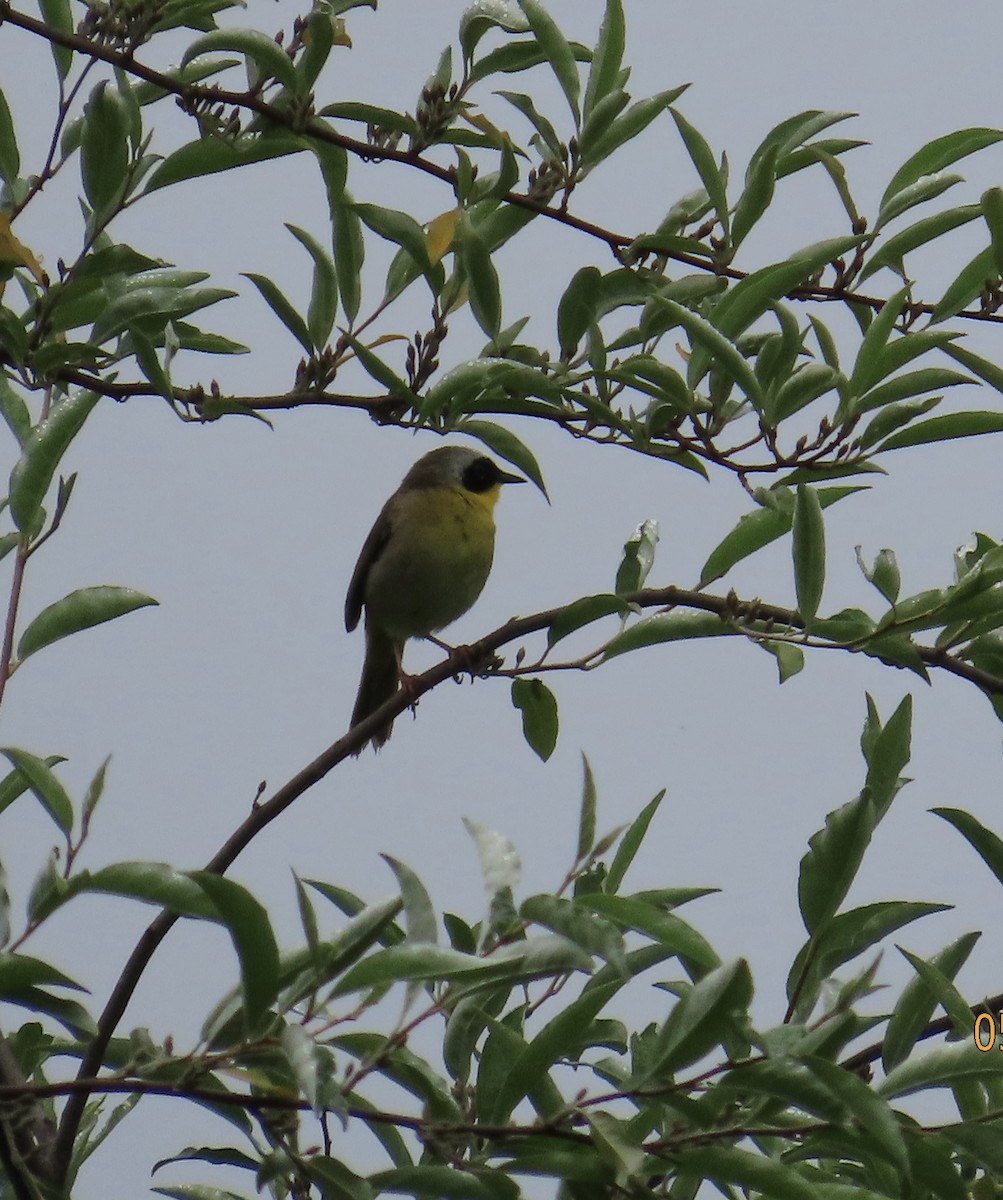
319, 131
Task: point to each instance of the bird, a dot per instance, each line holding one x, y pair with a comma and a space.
424, 563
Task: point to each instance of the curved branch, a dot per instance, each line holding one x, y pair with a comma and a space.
474, 658
313, 128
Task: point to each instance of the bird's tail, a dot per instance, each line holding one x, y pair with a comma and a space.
380, 679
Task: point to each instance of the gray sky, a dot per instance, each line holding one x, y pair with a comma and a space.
248, 537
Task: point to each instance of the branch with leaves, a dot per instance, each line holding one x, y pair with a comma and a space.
684, 350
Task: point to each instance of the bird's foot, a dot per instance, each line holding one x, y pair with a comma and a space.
410, 689
471, 663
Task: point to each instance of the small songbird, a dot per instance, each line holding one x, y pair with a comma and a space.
424, 563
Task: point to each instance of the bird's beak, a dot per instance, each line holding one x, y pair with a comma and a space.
505, 477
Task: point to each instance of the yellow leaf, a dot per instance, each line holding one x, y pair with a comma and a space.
13, 252
439, 234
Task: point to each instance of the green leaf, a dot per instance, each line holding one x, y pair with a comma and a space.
483, 15
215, 1155
873, 1115
981, 1143
887, 755
848, 935
666, 627
927, 187
920, 996
401, 964
583, 612
13, 409
349, 254
716, 348
987, 371
793, 132
884, 574
43, 450
336, 1181
578, 308
307, 1061
538, 706
912, 383
545, 131
803, 387
594, 933
587, 814
704, 1016
20, 972
627, 126
10, 158
629, 845
152, 307
381, 372
703, 159
673, 935
246, 920
943, 1066
607, 56
95, 790
208, 156
985, 842
557, 49
419, 915
68, 1013
755, 199
967, 286
14, 784
760, 291
319, 32
937, 155
562, 1037
506, 445
619, 1144
373, 114
269, 59
808, 531
517, 56
43, 784
483, 288
944, 428
442, 1183
760, 527
638, 558
400, 228
891, 253
869, 368
104, 150
834, 856
58, 14
81, 609
324, 292
149, 364
279, 305
151, 883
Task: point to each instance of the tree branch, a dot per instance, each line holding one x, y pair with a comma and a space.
315, 129
462, 660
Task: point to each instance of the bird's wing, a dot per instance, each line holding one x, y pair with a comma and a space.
372, 548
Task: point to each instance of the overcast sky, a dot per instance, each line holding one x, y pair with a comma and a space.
248, 537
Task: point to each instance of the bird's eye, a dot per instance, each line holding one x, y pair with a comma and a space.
480, 475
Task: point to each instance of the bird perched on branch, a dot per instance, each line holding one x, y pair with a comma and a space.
424, 563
